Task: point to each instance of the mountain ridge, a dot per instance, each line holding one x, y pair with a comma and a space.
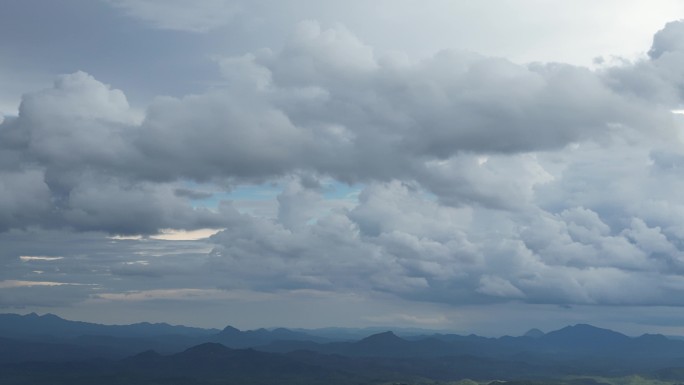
579, 349
579, 340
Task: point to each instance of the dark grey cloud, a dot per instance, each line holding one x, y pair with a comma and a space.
658, 78
341, 109
192, 194
68, 153
400, 242
326, 104
484, 181
667, 40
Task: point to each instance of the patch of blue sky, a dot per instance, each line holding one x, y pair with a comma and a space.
331, 190
429, 195
259, 192
262, 192
208, 203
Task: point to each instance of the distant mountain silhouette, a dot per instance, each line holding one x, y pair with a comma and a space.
124, 340
214, 360
388, 344
387, 340
147, 355
585, 337
14, 325
49, 338
235, 338
15, 351
205, 351
381, 344
585, 345
211, 361
379, 358
534, 333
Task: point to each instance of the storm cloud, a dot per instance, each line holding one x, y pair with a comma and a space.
470, 179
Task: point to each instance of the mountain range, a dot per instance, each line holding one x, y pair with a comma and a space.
36, 348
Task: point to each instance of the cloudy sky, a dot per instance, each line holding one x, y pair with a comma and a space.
482, 167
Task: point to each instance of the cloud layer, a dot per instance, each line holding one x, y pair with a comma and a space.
482, 180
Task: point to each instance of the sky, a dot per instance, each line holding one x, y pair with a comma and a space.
476, 167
